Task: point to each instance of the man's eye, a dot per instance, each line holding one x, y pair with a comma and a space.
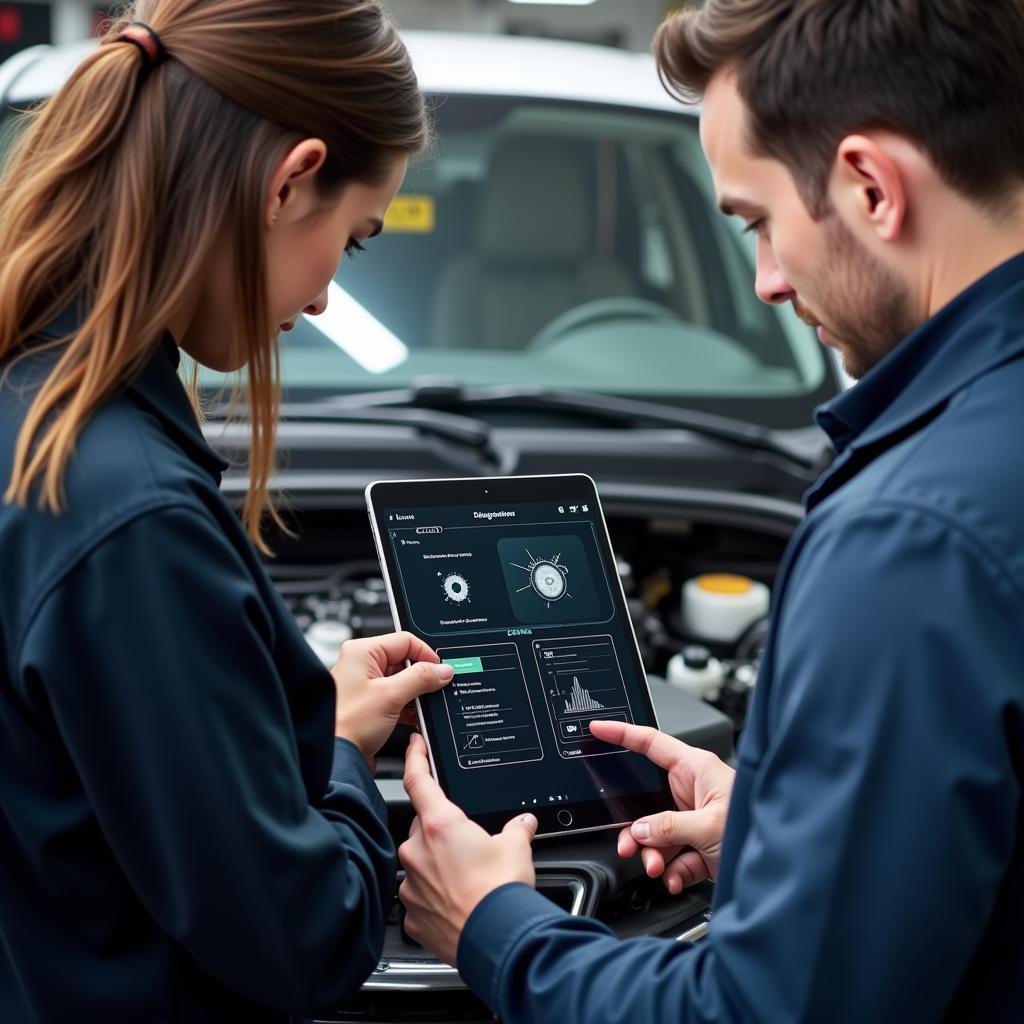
353, 247
755, 226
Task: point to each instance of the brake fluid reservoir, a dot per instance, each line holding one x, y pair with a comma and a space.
697, 672
720, 607
326, 638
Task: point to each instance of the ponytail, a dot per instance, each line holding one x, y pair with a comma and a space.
120, 185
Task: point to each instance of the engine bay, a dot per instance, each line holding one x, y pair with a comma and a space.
329, 577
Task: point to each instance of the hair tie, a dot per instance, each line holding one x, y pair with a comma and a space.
149, 43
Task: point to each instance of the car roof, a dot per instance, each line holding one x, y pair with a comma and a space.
446, 63
517, 66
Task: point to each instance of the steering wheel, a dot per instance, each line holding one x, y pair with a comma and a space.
600, 311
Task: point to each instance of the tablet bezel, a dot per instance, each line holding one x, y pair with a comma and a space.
568, 818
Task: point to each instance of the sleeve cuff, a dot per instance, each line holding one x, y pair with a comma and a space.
350, 769
496, 925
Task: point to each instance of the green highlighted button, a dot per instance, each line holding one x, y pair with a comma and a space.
461, 665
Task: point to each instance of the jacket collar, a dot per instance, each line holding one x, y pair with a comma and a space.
158, 388
979, 330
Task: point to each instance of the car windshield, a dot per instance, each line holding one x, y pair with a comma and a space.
563, 245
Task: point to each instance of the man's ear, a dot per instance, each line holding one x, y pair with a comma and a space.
870, 182
290, 194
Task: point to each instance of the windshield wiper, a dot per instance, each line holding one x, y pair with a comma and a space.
443, 394
458, 432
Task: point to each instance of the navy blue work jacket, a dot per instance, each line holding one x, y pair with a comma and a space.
873, 862
174, 845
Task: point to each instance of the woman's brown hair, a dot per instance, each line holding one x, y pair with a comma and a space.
120, 184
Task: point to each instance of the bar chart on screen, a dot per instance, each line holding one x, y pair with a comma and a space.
582, 681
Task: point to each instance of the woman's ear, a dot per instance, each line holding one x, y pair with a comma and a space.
291, 194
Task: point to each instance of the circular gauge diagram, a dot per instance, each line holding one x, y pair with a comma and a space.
548, 580
456, 588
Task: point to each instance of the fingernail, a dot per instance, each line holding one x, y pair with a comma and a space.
445, 673
641, 830
529, 820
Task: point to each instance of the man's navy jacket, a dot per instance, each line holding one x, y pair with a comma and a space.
873, 864
172, 845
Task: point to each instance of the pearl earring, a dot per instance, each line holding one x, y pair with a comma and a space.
273, 217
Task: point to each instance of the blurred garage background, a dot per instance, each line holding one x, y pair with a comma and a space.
627, 24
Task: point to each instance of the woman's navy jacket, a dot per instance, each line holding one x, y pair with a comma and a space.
174, 845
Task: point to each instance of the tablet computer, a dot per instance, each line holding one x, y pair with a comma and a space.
513, 582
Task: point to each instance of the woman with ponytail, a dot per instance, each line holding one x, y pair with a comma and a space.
189, 829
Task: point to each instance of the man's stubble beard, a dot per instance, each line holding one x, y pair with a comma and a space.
865, 306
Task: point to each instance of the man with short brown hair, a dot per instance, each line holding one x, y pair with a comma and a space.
872, 863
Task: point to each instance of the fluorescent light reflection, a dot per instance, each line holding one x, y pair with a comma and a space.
358, 333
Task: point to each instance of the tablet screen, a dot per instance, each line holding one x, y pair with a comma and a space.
512, 581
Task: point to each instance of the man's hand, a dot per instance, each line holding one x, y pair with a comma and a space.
374, 687
682, 846
451, 863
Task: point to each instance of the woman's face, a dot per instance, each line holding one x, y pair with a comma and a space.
305, 249
306, 239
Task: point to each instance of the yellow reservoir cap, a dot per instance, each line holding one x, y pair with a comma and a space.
724, 583
720, 607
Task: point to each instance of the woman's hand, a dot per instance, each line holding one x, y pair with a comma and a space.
374, 687
681, 846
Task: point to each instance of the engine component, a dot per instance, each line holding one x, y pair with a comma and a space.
720, 607
326, 638
697, 672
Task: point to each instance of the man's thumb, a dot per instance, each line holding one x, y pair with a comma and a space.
524, 825
674, 828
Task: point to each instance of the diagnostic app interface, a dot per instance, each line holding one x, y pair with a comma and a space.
518, 601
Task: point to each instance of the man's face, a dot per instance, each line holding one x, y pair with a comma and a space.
859, 306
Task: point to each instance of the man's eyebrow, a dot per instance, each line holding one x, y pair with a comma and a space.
378, 227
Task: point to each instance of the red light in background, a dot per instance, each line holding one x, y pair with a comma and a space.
10, 25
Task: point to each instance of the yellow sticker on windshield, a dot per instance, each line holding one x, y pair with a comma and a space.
412, 215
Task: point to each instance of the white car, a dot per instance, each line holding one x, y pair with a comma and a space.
555, 291
567, 202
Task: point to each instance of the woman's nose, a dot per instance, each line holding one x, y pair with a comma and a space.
318, 305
